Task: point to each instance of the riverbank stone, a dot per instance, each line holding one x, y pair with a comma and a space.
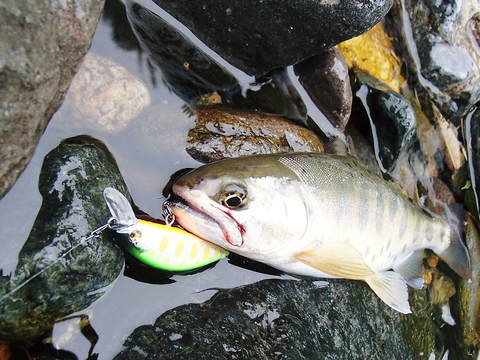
270, 34
71, 183
222, 132
279, 319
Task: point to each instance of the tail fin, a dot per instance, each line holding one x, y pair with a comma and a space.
456, 254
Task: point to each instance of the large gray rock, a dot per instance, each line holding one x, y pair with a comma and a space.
278, 319
269, 34
71, 183
41, 45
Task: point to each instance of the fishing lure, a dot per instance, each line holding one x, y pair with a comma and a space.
160, 246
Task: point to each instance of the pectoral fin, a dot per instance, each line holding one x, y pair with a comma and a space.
392, 289
338, 259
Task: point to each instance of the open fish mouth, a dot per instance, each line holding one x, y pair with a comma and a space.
205, 218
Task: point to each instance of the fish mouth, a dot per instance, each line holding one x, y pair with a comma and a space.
197, 213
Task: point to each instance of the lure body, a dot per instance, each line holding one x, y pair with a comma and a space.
160, 246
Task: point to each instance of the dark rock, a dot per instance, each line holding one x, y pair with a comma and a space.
186, 69
278, 319
42, 43
268, 34
326, 80
391, 116
71, 183
472, 137
443, 57
222, 132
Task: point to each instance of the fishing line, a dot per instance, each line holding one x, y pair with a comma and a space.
93, 234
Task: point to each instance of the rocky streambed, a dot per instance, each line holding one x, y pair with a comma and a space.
171, 86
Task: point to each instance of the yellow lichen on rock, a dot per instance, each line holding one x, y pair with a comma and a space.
372, 53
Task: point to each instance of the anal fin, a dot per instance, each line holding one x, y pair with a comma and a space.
392, 289
411, 269
338, 259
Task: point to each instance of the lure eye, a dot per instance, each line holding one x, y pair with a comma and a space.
135, 236
234, 196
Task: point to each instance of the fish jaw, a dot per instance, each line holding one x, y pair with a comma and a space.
206, 218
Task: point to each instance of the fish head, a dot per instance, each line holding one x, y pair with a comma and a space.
244, 205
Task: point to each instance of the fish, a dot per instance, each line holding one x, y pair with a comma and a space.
157, 245
317, 215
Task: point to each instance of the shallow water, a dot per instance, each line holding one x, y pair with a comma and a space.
129, 303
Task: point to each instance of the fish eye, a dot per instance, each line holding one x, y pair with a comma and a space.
134, 236
234, 196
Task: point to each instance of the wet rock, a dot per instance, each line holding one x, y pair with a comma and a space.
222, 132
268, 34
467, 311
186, 69
326, 80
277, 319
71, 183
373, 53
42, 43
104, 96
115, 13
472, 140
392, 119
275, 95
443, 56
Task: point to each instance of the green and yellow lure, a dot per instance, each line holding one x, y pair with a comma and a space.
160, 246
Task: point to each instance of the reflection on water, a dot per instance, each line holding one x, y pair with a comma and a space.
148, 152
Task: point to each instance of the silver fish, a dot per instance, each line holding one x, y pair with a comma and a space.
317, 215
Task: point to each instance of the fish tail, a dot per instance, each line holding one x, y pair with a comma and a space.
456, 254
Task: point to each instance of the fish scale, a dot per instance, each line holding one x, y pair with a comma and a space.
377, 235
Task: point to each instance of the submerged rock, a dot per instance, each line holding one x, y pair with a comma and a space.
186, 69
41, 45
270, 34
391, 116
105, 96
278, 319
443, 54
222, 132
326, 80
71, 183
